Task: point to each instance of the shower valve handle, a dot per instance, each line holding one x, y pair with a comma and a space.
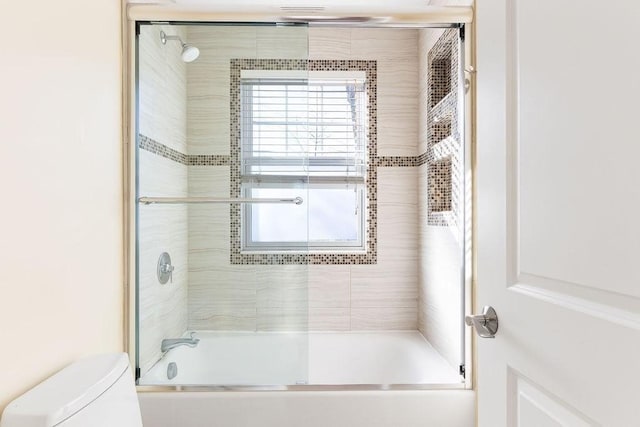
168, 268
165, 269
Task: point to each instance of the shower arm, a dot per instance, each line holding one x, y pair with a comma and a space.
164, 37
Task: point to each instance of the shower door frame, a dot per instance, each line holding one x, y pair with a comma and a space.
130, 158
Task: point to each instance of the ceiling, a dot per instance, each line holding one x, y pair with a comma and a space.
341, 7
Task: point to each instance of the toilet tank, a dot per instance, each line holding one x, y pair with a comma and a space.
98, 391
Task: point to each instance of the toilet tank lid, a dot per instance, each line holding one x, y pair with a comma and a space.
65, 393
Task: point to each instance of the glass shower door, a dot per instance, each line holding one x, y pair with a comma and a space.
222, 189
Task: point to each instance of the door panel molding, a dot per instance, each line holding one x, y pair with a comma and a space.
537, 406
608, 306
613, 306
516, 228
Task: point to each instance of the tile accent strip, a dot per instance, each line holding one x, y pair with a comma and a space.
401, 161
209, 160
162, 150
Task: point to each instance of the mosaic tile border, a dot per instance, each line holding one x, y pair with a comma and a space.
169, 153
162, 150
370, 69
155, 147
209, 160
401, 161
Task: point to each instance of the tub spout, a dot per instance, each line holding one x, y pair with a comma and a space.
168, 344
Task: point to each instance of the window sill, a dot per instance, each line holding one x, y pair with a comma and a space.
309, 252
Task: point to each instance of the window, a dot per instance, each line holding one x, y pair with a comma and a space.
304, 135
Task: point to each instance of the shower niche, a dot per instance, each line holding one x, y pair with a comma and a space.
310, 210
445, 151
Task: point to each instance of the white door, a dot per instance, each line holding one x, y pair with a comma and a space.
558, 181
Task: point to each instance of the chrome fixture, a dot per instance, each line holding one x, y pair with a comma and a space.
165, 269
179, 200
189, 53
172, 370
486, 324
470, 71
168, 344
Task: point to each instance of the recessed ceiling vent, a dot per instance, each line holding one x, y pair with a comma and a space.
334, 20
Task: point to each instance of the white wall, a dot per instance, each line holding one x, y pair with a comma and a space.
61, 172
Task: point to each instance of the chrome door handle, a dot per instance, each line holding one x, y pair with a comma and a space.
486, 324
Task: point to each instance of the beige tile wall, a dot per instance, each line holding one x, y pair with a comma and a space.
223, 296
335, 297
208, 77
440, 251
162, 87
163, 109
396, 51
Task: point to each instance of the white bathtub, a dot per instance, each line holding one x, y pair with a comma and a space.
328, 368
317, 358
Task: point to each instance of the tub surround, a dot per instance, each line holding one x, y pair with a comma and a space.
382, 296
390, 293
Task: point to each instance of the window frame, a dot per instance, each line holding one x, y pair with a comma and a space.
355, 246
252, 181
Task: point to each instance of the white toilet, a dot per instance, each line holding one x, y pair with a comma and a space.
97, 391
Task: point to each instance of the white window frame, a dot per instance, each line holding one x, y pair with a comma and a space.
250, 182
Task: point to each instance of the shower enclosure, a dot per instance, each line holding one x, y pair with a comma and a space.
301, 206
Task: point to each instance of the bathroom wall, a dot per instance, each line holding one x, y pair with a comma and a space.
61, 167
329, 297
162, 172
223, 296
440, 264
383, 295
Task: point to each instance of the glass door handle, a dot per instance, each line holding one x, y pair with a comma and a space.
486, 324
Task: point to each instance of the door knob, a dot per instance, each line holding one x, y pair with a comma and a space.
486, 324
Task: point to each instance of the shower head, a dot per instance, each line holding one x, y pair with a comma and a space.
189, 53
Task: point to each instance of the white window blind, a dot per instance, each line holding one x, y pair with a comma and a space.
304, 127
304, 134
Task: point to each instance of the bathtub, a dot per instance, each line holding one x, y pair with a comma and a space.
306, 379
320, 358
